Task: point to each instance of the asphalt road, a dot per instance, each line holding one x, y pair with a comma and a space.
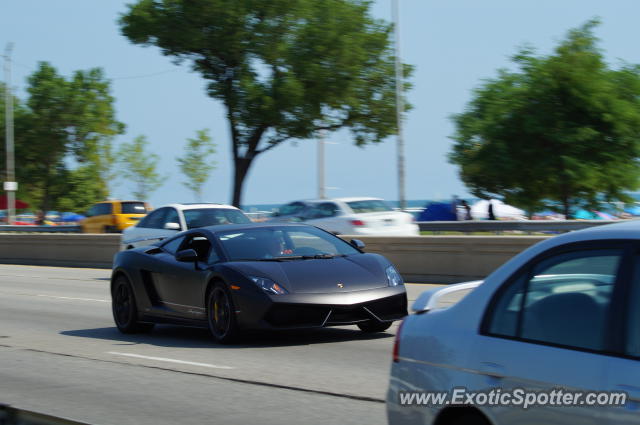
61, 354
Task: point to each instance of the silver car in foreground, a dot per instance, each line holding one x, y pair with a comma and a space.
562, 316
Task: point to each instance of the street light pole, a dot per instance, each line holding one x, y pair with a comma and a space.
321, 184
399, 105
10, 185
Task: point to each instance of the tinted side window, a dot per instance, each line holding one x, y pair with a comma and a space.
203, 217
173, 245
155, 219
328, 209
102, 209
133, 208
292, 208
171, 217
565, 300
324, 210
200, 244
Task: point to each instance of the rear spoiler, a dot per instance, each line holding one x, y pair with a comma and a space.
439, 298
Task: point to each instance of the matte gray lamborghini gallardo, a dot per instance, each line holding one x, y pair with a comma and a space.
255, 276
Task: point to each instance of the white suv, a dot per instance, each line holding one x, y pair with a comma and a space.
170, 219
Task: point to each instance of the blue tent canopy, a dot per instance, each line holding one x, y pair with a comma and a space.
438, 211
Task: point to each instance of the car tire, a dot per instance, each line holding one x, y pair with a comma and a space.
110, 229
469, 419
221, 314
372, 326
124, 308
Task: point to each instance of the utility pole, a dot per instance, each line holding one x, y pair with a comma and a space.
321, 183
399, 104
10, 186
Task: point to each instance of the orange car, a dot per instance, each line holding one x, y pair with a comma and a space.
113, 216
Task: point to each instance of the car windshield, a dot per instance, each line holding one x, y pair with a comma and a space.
283, 243
369, 205
201, 217
133, 208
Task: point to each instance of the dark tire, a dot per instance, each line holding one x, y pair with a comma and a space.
469, 419
111, 229
221, 314
374, 326
123, 306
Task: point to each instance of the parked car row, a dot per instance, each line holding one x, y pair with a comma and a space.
140, 225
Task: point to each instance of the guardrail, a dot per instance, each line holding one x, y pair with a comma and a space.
40, 229
14, 416
529, 226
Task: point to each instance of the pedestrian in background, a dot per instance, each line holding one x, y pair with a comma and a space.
466, 210
39, 219
492, 216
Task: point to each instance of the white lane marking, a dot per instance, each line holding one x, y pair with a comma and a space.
164, 359
71, 298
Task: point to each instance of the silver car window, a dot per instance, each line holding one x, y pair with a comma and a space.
565, 300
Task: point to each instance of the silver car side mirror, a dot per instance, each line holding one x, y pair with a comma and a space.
172, 226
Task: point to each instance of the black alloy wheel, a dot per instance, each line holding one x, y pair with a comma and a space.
221, 315
123, 306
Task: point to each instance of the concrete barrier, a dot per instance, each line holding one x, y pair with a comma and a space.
68, 250
427, 259
447, 259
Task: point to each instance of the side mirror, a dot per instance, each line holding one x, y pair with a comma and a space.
187, 256
357, 244
172, 226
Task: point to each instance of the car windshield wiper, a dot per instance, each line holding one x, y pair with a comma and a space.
322, 256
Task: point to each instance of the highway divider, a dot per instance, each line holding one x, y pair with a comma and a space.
423, 259
447, 259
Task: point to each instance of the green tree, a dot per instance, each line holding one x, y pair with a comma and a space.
562, 128
139, 166
196, 164
61, 120
83, 187
284, 69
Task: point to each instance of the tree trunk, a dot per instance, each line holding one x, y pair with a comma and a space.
241, 169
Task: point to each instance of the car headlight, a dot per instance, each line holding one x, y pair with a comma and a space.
269, 285
393, 277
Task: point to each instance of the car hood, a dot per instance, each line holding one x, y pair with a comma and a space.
354, 272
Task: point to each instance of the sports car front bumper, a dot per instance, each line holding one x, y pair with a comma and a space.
318, 310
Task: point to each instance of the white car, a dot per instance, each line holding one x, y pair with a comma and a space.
563, 317
350, 216
171, 219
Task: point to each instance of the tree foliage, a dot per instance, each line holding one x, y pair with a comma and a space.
562, 128
196, 164
62, 121
283, 69
140, 167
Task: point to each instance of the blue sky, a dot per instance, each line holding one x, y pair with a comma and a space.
453, 44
